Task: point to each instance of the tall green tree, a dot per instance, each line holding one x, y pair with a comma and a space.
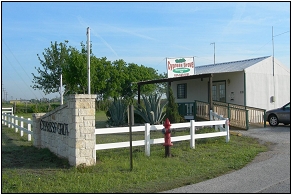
52, 61
141, 73
172, 112
101, 70
75, 73
117, 79
109, 80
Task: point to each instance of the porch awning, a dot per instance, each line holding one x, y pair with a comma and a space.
169, 80
175, 79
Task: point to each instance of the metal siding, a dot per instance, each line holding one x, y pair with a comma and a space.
258, 90
262, 85
251, 81
228, 66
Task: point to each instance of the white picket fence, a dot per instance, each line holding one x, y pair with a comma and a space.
5, 111
8, 110
214, 117
12, 122
222, 124
224, 131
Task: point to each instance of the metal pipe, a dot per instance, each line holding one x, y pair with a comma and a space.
214, 51
88, 57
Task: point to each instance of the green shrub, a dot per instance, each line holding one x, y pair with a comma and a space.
172, 112
153, 110
116, 113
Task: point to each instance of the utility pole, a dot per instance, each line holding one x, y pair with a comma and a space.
88, 57
273, 50
3, 94
61, 86
214, 50
6, 95
273, 98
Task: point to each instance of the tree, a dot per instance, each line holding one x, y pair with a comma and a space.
75, 73
109, 80
100, 73
172, 112
141, 73
117, 79
54, 58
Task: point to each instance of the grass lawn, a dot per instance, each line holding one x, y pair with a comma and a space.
100, 119
26, 169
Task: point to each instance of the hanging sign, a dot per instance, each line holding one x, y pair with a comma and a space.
178, 67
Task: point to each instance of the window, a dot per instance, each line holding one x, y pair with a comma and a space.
181, 91
218, 91
214, 92
222, 92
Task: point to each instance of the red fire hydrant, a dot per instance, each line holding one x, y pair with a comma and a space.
167, 133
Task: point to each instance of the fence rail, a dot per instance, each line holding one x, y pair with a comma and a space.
222, 124
8, 110
12, 122
239, 116
147, 128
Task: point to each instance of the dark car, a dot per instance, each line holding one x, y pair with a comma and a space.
279, 115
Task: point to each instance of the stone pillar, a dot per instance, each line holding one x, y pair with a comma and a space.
36, 129
82, 138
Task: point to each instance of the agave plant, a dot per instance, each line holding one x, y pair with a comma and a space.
152, 111
117, 113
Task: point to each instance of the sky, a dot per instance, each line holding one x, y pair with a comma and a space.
144, 33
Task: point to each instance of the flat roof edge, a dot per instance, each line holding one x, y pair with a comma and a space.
175, 79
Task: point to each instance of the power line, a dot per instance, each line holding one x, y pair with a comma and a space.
16, 60
281, 33
21, 78
22, 69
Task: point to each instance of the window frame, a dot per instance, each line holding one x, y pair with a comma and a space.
219, 91
182, 91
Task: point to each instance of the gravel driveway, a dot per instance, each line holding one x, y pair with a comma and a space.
269, 172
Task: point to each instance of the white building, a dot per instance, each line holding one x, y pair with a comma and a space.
258, 83
252, 82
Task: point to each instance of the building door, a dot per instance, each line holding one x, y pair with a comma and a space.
218, 91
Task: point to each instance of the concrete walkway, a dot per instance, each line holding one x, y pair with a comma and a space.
268, 173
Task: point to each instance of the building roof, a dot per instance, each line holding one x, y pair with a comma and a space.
207, 71
207, 75
228, 66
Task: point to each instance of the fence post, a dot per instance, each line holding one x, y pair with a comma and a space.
265, 119
82, 139
227, 130
247, 119
221, 126
29, 129
16, 124
195, 110
147, 139
212, 116
21, 125
228, 111
36, 117
192, 134
9, 120
6, 119
12, 122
